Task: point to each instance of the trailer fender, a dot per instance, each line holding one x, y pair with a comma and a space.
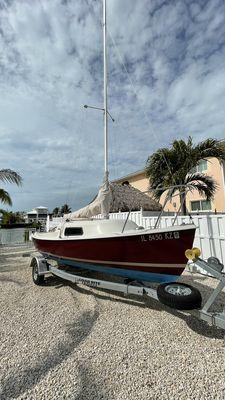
39, 267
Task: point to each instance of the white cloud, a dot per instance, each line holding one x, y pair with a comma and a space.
51, 65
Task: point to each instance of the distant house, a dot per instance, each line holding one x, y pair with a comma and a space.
195, 202
38, 214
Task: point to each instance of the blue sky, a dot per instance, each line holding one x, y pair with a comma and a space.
51, 65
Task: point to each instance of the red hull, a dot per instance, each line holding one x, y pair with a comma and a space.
161, 253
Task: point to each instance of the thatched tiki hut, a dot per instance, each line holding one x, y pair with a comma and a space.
126, 198
114, 198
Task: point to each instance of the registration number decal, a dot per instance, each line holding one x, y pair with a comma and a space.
160, 236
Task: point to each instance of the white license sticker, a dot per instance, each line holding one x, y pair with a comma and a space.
160, 236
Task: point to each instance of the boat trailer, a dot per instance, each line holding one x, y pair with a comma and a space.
177, 295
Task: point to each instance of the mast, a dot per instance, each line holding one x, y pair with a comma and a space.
106, 175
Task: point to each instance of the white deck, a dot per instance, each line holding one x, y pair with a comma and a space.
105, 228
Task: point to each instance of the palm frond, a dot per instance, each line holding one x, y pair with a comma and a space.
157, 192
170, 193
7, 175
210, 148
5, 197
204, 184
171, 166
160, 168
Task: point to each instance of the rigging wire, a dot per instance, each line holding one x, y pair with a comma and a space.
120, 59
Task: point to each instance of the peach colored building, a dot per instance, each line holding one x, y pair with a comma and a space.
195, 202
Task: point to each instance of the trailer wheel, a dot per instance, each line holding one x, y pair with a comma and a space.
179, 295
37, 279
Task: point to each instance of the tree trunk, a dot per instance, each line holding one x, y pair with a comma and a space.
183, 203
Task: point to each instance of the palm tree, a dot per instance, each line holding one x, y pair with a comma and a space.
65, 209
173, 167
56, 212
10, 217
8, 176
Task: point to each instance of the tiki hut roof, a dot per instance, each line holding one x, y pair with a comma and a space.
113, 198
126, 198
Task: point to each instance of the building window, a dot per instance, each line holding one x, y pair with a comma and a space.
195, 205
201, 205
206, 205
201, 167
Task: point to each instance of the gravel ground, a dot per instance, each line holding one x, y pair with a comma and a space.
60, 341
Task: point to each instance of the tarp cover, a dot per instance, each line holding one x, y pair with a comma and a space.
114, 197
100, 205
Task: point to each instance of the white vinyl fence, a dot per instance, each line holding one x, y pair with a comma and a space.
53, 223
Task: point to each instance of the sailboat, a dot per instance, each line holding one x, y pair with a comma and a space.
115, 247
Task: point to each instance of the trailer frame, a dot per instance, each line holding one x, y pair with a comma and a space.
43, 267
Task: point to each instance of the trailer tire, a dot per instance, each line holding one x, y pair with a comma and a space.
179, 296
37, 278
